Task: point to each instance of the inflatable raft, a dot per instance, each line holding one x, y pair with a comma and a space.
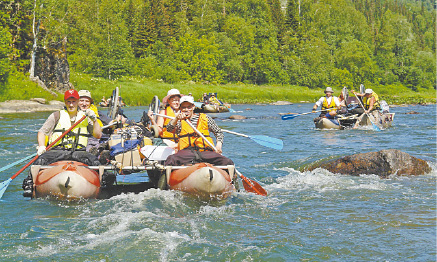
207, 108
383, 120
65, 180
202, 179
325, 123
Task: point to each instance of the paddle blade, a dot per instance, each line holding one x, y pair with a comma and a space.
375, 127
252, 186
287, 117
16, 162
3, 186
268, 141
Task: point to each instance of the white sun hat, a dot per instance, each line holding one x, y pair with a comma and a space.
328, 89
170, 93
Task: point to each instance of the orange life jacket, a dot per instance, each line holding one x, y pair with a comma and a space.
189, 138
165, 134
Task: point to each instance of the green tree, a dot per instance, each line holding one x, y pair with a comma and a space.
196, 58
5, 66
355, 57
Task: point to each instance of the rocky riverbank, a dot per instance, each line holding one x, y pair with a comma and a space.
28, 106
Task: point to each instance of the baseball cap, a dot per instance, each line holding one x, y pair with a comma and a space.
71, 94
188, 99
85, 93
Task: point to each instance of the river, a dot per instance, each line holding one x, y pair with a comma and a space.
307, 216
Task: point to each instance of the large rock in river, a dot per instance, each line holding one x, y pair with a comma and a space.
382, 163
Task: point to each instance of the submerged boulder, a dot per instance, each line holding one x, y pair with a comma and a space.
281, 103
237, 117
382, 163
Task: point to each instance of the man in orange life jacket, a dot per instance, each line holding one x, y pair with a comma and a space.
71, 146
192, 148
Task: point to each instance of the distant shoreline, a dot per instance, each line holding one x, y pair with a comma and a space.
38, 105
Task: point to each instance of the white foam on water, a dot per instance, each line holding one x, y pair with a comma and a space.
322, 180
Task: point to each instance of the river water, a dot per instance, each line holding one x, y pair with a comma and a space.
307, 216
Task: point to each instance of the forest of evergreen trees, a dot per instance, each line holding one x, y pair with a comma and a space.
311, 43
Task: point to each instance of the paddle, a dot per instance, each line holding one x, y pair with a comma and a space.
6, 183
251, 185
248, 184
262, 140
375, 127
291, 116
16, 162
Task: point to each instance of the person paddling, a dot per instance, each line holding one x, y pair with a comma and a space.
70, 147
330, 104
171, 102
192, 147
371, 104
370, 100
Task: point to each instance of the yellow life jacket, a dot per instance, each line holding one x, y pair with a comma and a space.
189, 138
165, 134
366, 102
331, 106
94, 108
76, 138
214, 100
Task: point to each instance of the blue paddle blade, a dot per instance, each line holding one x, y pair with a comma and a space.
287, 117
268, 141
3, 186
375, 127
16, 162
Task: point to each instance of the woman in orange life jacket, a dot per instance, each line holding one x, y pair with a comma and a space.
171, 102
330, 104
192, 147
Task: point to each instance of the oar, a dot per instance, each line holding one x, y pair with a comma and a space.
291, 116
6, 183
249, 184
375, 127
16, 162
262, 140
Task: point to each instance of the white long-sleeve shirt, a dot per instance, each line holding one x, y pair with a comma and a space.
320, 101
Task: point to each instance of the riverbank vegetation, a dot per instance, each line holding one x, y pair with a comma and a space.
246, 50
140, 91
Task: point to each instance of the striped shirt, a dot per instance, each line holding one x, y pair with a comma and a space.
212, 127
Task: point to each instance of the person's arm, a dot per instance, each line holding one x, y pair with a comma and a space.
337, 103
317, 104
97, 129
218, 133
46, 130
357, 94
92, 120
174, 124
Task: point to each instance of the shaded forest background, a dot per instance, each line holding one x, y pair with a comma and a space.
310, 43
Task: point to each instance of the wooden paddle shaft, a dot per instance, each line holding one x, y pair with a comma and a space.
195, 130
48, 147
